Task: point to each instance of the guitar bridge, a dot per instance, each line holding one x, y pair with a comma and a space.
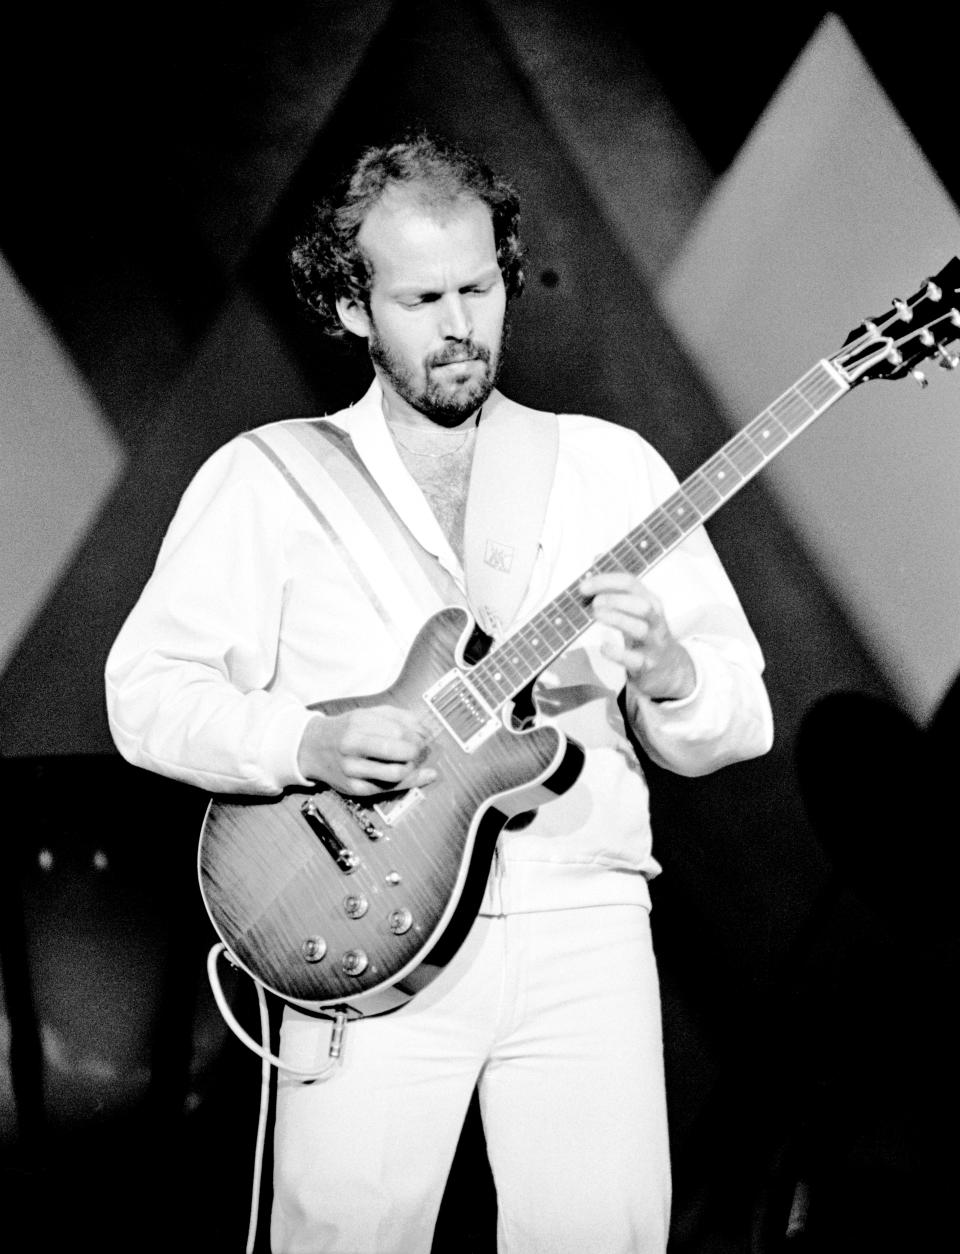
460, 709
392, 809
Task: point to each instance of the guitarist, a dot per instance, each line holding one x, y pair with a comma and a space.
256, 609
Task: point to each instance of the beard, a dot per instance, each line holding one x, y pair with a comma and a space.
448, 395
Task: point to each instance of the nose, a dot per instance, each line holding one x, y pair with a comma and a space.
455, 320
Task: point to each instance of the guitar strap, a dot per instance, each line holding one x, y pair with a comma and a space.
513, 468
319, 463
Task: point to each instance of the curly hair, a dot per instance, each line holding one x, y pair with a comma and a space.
327, 262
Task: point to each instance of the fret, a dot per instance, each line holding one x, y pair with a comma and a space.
608, 563
820, 388
792, 405
792, 412
495, 670
549, 628
744, 454
702, 493
512, 664
535, 643
648, 544
634, 561
494, 688
722, 473
571, 603
664, 528
768, 433
516, 659
681, 511
628, 558
524, 646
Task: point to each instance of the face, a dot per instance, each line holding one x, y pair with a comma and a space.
437, 303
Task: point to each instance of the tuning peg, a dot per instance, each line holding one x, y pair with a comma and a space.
894, 356
955, 316
920, 377
949, 361
933, 292
904, 312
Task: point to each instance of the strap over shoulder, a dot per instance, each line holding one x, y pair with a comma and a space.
322, 467
514, 463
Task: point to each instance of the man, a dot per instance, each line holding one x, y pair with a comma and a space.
260, 605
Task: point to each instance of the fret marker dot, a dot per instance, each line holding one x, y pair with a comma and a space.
679, 510
721, 474
497, 677
766, 435
643, 544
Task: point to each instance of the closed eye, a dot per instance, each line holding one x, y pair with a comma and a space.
425, 298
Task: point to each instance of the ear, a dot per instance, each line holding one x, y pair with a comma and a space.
353, 314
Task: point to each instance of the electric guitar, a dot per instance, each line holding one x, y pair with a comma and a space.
337, 903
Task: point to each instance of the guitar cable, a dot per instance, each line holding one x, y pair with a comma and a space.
267, 1060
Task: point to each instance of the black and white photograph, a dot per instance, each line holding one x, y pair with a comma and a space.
479, 629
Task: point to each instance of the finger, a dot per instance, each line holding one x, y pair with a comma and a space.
366, 776
381, 747
633, 625
608, 581
399, 720
418, 778
373, 771
632, 595
623, 651
635, 662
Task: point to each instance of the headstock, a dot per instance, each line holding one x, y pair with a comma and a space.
893, 345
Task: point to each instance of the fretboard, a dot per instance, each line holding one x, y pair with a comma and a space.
515, 662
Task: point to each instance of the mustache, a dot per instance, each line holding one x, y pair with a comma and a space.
466, 350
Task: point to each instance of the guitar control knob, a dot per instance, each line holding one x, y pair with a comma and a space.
354, 962
400, 921
356, 907
314, 948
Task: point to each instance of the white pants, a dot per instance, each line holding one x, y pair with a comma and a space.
557, 1016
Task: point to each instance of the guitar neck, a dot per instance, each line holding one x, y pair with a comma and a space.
514, 663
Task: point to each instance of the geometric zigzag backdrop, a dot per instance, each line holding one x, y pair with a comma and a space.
144, 321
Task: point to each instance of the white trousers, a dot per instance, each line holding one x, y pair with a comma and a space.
556, 1015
